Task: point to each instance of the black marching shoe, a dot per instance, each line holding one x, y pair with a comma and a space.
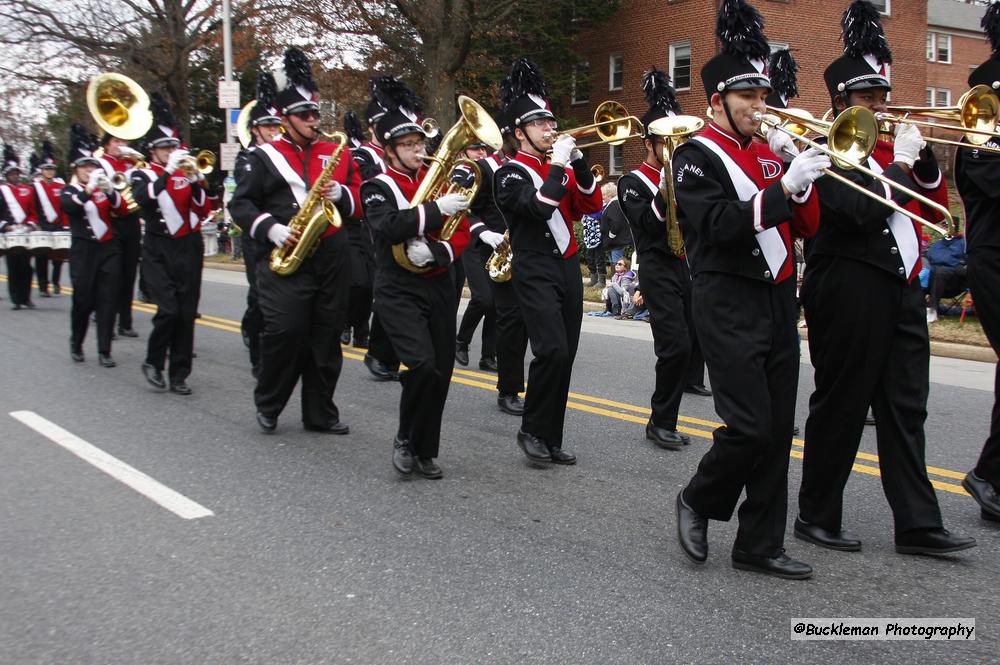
932, 541
15, 306
402, 458
841, 541
462, 353
782, 566
692, 531
76, 353
56, 289
127, 332
154, 376
267, 423
425, 466
488, 363
379, 370
180, 388
667, 439
345, 337
983, 492
533, 447
560, 456
698, 390
44, 294
105, 360
29, 305
511, 404
336, 428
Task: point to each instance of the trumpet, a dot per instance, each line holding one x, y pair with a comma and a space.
598, 172
612, 126
851, 138
203, 163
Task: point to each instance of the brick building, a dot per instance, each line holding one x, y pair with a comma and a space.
679, 37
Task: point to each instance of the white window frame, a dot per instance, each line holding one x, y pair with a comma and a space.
614, 150
888, 8
931, 46
932, 94
673, 63
939, 38
583, 66
611, 71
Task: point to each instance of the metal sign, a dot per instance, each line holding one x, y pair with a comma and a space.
229, 94
227, 156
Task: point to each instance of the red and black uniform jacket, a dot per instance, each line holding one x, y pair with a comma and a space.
89, 215
386, 199
20, 202
370, 159
47, 204
646, 211
276, 180
732, 208
172, 206
860, 228
540, 201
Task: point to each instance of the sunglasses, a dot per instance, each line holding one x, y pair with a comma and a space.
306, 115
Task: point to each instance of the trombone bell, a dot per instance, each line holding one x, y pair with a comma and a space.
612, 126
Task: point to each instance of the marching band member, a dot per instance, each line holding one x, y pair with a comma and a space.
738, 211
417, 310
977, 178
47, 189
359, 310
118, 157
265, 126
173, 199
863, 301
665, 277
303, 312
540, 199
19, 200
90, 203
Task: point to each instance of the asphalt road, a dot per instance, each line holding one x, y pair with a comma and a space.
317, 552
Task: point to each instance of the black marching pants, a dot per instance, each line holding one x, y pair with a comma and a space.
418, 316
252, 324
984, 278
747, 331
663, 290
94, 269
303, 315
696, 361
172, 271
359, 310
128, 235
550, 293
42, 273
868, 344
481, 305
19, 277
512, 339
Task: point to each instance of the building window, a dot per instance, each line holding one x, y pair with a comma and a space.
616, 63
680, 65
581, 83
616, 160
938, 97
882, 6
939, 47
777, 46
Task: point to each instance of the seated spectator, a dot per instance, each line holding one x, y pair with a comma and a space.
636, 311
948, 275
623, 284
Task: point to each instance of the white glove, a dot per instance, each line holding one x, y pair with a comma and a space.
418, 252
562, 149
449, 204
908, 144
278, 234
336, 192
663, 178
491, 238
92, 184
781, 144
104, 183
175, 159
803, 170
575, 154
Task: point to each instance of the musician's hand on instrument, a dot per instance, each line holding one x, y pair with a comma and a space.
663, 178
803, 170
562, 149
281, 235
418, 252
907, 144
175, 159
575, 154
332, 191
104, 182
449, 204
491, 238
781, 144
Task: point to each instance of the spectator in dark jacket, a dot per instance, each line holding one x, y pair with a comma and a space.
948, 275
616, 232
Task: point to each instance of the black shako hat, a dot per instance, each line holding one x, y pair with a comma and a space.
352, 127
528, 95
402, 108
866, 52
10, 160
47, 155
33, 162
163, 133
660, 96
296, 88
82, 145
988, 73
264, 111
784, 78
743, 61
374, 111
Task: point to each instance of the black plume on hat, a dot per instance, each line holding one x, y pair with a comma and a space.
783, 71
863, 34
9, 156
298, 70
47, 152
740, 27
352, 127
393, 94
267, 89
162, 115
33, 162
991, 26
526, 79
82, 145
659, 93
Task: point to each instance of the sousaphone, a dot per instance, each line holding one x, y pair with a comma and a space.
119, 106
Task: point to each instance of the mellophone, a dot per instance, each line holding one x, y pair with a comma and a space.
24, 239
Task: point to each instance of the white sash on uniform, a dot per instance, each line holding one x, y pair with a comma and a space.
902, 229
556, 222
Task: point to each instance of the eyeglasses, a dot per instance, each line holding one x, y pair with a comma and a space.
412, 145
620, 264
544, 123
307, 115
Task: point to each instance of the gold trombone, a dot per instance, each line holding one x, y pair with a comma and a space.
977, 112
851, 138
612, 126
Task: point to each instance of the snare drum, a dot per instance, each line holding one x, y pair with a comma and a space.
17, 241
40, 243
61, 241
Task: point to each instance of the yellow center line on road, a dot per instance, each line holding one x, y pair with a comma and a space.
625, 411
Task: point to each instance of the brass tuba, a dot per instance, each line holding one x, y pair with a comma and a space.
674, 130
475, 125
311, 220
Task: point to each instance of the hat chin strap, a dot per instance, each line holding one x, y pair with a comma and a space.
732, 123
527, 138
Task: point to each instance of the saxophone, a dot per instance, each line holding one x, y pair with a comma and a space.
498, 264
311, 220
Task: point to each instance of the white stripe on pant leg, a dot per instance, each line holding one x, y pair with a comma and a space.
153, 490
